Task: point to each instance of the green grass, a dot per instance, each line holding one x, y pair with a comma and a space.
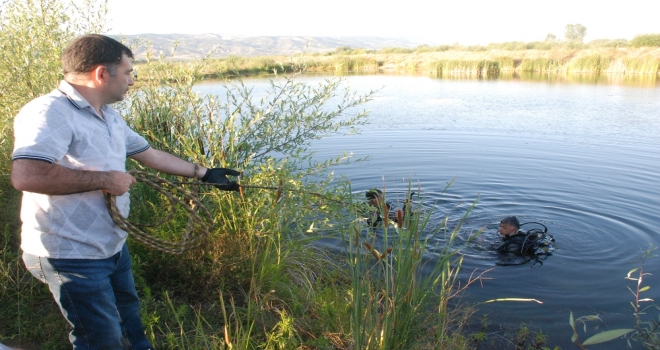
29, 317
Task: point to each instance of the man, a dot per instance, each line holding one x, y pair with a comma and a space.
374, 198
70, 148
513, 240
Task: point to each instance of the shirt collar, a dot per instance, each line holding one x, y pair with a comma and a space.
76, 98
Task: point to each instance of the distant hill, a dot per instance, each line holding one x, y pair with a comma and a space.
196, 46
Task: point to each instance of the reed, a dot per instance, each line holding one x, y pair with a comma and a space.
237, 66
589, 64
450, 68
452, 61
353, 65
506, 64
541, 65
640, 66
391, 299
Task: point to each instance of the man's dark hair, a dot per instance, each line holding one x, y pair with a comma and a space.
88, 51
511, 220
373, 193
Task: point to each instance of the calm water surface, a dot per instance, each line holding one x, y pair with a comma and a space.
583, 159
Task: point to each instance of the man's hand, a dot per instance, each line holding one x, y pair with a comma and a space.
218, 176
118, 182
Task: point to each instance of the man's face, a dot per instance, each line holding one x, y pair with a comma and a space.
507, 229
119, 84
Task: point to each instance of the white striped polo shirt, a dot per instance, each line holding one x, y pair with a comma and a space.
62, 128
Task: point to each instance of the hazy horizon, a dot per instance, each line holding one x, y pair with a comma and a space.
467, 22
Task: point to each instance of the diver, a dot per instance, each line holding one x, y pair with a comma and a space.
374, 198
535, 243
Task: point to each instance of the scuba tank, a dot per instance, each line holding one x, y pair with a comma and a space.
534, 244
537, 241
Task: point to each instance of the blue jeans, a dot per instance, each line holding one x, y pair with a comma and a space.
97, 297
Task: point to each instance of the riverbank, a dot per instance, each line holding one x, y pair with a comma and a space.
462, 62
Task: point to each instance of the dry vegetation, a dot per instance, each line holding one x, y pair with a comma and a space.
628, 60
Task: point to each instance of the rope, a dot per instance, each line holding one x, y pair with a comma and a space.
199, 223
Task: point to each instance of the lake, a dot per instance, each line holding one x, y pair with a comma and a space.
582, 158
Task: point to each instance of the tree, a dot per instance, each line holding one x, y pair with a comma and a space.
551, 37
575, 32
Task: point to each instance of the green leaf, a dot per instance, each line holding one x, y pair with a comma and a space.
631, 271
574, 337
607, 336
512, 299
645, 288
570, 320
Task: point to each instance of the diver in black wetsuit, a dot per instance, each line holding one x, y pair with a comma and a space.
535, 243
513, 239
375, 199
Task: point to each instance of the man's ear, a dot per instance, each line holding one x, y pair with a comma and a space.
100, 74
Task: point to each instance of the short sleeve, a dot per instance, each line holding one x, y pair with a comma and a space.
42, 132
135, 143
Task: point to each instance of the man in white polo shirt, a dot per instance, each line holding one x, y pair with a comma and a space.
71, 147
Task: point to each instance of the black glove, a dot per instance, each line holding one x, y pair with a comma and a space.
218, 176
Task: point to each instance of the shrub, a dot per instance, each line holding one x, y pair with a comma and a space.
646, 40
615, 44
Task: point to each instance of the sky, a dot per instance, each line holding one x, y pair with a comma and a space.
433, 22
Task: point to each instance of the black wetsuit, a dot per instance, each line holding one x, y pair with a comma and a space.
534, 244
516, 244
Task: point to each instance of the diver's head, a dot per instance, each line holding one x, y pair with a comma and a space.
509, 226
374, 197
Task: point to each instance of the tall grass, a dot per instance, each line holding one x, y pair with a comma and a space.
394, 304
448, 61
541, 65
453, 68
640, 66
28, 316
589, 64
356, 65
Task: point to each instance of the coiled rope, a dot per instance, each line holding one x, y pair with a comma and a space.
200, 220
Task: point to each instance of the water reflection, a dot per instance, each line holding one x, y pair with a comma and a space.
630, 80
